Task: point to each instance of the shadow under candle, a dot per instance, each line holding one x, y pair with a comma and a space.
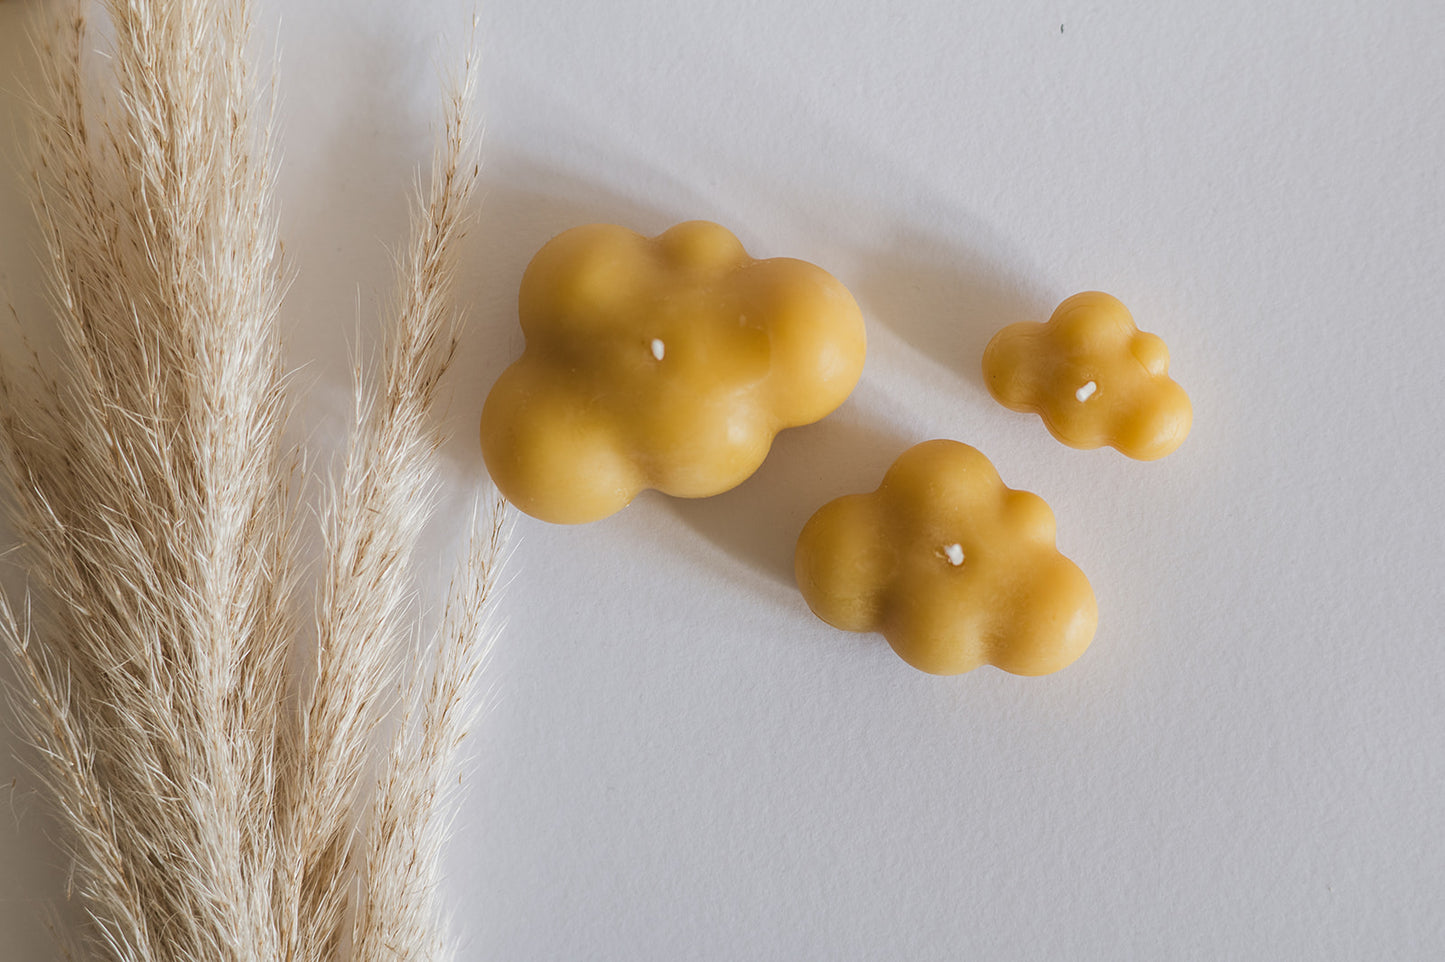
759, 521
944, 300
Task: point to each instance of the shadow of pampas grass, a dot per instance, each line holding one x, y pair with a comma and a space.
218, 803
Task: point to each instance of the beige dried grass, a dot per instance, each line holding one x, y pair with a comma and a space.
218, 809
376, 510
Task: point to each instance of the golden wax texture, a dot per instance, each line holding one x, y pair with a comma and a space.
1093, 377
666, 362
953, 568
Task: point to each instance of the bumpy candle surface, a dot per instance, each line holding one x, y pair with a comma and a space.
1093, 377
667, 362
953, 568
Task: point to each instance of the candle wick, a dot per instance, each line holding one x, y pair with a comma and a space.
1085, 392
954, 554
658, 348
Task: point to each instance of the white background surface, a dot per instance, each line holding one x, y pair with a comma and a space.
683, 763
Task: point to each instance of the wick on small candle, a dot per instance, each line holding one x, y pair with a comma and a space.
954, 554
658, 348
1086, 392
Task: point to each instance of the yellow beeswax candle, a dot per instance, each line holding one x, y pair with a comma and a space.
953, 568
667, 362
1093, 377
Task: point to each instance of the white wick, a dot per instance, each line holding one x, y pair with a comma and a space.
1085, 392
954, 553
658, 348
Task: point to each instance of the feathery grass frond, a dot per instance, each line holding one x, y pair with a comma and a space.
148, 481
398, 918
211, 816
373, 520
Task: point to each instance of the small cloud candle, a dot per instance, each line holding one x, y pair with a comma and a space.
1093, 377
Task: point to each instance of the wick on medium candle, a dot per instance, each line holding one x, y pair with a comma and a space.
954, 554
1083, 393
658, 348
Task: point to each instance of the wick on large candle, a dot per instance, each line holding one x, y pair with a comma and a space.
1083, 393
658, 348
954, 554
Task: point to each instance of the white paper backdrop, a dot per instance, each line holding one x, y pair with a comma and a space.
682, 763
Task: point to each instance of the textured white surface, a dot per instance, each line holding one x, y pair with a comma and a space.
682, 762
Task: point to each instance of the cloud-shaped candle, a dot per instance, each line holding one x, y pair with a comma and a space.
1093, 377
953, 568
667, 362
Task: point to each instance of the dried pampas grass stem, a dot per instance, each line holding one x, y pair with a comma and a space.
217, 807
374, 514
